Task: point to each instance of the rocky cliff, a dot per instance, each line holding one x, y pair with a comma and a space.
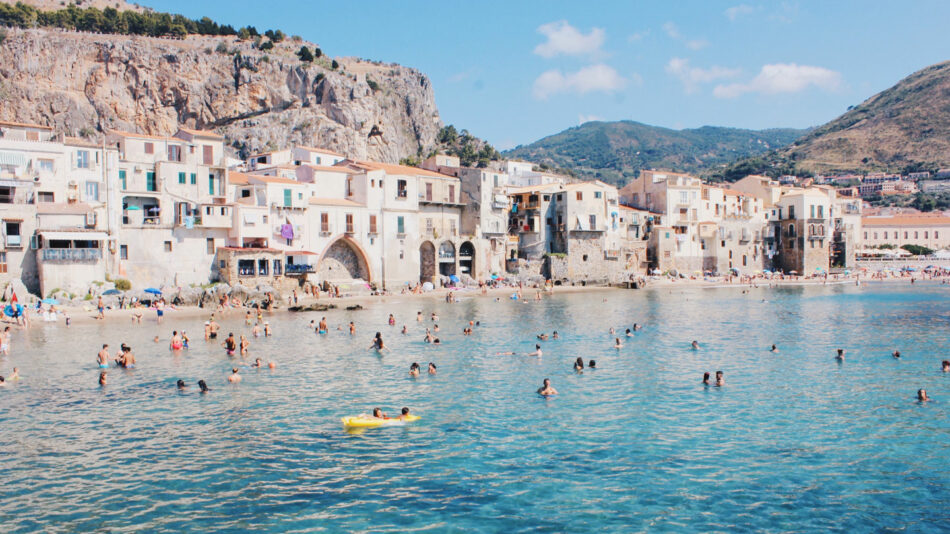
82, 84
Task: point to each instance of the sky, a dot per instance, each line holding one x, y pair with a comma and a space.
512, 72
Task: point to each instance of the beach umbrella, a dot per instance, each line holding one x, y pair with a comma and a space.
133, 208
112, 292
154, 209
792, 272
428, 286
453, 278
494, 277
50, 301
153, 291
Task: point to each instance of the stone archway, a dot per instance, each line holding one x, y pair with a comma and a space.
343, 261
447, 258
426, 262
467, 258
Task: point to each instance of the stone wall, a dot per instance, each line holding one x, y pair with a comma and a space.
341, 263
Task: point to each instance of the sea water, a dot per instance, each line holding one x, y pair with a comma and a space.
794, 441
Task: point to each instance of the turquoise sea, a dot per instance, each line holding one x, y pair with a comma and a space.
794, 441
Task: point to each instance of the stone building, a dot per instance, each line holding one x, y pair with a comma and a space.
802, 232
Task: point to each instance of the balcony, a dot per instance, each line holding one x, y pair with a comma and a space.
14, 241
71, 254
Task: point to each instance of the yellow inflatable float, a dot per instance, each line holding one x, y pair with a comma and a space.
364, 421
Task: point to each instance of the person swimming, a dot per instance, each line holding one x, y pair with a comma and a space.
542, 336
322, 328
102, 359
592, 364
546, 388
896, 354
774, 348
431, 368
175, 343
922, 395
612, 332
235, 376
353, 328
429, 337
181, 384
392, 320
405, 330
378, 344
258, 363
184, 340
720, 381
203, 386
840, 355
127, 359
256, 331
244, 345
554, 335
706, 379
404, 414
414, 370
102, 378
636, 326
419, 317
579, 364
378, 414
436, 341
15, 375
618, 344
628, 333
434, 317
695, 345
537, 351
267, 332
230, 344
946, 366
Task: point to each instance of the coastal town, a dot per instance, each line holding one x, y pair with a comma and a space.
134, 210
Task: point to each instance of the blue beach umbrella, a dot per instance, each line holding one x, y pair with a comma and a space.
454, 278
112, 292
153, 291
50, 301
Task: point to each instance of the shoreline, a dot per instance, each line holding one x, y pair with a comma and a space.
83, 315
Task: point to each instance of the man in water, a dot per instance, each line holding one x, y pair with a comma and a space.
774, 348
234, 377
431, 368
896, 354
322, 327
922, 395
101, 308
537, 351
840, 356
946, 366
720, 381
181, 384
103, 357
230, 345
404, 415
706, 379
546, 388
102, 378
414, 370
694, 345
267, 331
203, 386
127, 359
213, 334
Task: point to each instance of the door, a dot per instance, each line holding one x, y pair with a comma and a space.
211, 185
288, 198
206, 154
150, 184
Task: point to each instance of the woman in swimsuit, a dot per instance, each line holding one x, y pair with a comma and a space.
229, 344
244, 345
414, 370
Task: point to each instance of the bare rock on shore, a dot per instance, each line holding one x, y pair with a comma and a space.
312, 307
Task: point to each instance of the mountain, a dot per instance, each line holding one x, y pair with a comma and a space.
903, 129
616, 151
259, 93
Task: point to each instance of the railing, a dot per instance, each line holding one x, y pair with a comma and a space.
298, 268
71, 254
14, 241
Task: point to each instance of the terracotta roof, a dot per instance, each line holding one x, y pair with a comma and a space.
325, 168
24, 125
237, 178
58, 208
401, 170
321, 150
202, 133
906, 220
333, 202
274, 179
78, 141
299, 253
259, 154
534, 188
121, 133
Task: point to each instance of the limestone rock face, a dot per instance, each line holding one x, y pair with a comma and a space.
82, 84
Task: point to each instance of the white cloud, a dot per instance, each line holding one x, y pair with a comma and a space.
594, 78
581, 119
674, 33
735, 12
566, 39
697, 44
783, 78
693, 77
638, 36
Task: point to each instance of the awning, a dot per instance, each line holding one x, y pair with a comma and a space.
248, 218
75, 236
580, 224
12, 182
12, 158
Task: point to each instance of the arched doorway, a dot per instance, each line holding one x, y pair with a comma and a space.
426, 262
447, 259
343, 261
467, 258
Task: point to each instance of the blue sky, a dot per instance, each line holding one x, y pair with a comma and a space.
512, 72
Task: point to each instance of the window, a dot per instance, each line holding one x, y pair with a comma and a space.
593, 222
122, 180
936, 234
174, 153
400, 224
452, 228
245, 267
429, 225
684, 197
550, 222
262, 267
452, 193
149, 148
580, 195
401, 189
585, 257
181, 178
885, 235
123, 252
92, 191
207, 155
288, 198
45, 165
150, 184
277, 267
349, 186
32, 136
168, 246
3, 262
916, 235
194, 179
866, 235
45, 196
372, 224
13, 234
730, 254
598, 194
821, 212
210, 245
926, 234
211, 186
428, 192
546, 198
349, 223
875, 235
791, 212
82, 159
812, 211
325, 223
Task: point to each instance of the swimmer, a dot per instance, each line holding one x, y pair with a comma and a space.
352, 328
435, 328
378, 344
428, 338
184, 340
618, 344
127, 360
204, 387
267, 332
378, 414
546, 389
612, 332
505, 353
155, 339
946, 366
419, 317
537, 351
181, 384
636, 327
434, 317
720, 381
392, 320
322, 327
235, 377
244, 345
230, 345
840, 355
3, 382
247, 318
102, 359
102, 378
695, 345
436, 341
592, 365
405, 330
256, 331
554, 335
175, 343
15, 376
774, 348
896, 354
258, 363
629, 333
542, 337
404, 414
579, 364
431, 368
706, 379
313, 324
922, 395
414, 370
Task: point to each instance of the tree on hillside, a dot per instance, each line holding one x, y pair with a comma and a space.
448, 135
305, 54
